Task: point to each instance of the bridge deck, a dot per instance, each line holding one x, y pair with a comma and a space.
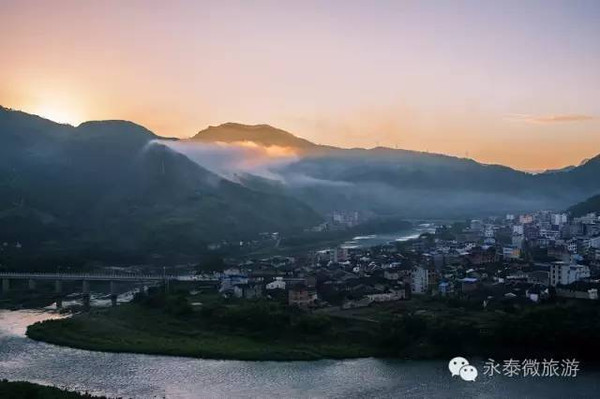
100, 277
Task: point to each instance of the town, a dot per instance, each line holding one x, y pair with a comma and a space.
495, 261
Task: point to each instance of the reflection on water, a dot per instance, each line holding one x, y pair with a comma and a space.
380, 239
14, 324
144, 376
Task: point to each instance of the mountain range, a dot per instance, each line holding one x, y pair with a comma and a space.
115, 186
407, 183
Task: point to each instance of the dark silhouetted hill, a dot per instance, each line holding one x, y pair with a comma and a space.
108, 186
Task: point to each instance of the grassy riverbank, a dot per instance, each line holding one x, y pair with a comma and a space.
267, 330
27, 390
133, 328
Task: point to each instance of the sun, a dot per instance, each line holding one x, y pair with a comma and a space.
57, 114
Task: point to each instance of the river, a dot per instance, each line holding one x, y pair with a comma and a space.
384, 238
145, 376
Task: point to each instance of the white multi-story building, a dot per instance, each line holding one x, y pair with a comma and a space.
525, 219
558, 219
518, 229
587, 219
564, 273
392, 295
419, 280
549, 234
278, 283
594, 242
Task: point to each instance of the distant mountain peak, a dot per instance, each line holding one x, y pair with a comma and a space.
591, 160
111, 124
237, 125
263, 134
115, 128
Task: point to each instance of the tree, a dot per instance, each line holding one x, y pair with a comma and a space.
211, 264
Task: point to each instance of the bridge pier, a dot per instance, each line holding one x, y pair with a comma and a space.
86, 294
5, 285
58, 292
141, 287
31, 284
113, 293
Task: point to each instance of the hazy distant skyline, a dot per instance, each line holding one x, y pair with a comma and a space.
508, 82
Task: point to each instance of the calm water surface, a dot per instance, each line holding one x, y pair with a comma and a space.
145, 376
384, 238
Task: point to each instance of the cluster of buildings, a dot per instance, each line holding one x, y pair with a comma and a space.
563, 237
493, 261
341, 220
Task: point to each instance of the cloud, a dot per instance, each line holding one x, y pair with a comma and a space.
558, 118
229, 159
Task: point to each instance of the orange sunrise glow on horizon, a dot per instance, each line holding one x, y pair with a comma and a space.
514, 82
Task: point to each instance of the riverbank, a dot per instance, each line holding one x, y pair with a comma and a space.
22, 390
132, 328
421, 328
311, 241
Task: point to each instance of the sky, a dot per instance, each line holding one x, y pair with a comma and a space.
508, 82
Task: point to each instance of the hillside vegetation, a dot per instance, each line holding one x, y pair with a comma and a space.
590, 205
108, 187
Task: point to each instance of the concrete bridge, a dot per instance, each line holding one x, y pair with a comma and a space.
86, 278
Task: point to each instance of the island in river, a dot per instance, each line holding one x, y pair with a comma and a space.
157, 323
241, 331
